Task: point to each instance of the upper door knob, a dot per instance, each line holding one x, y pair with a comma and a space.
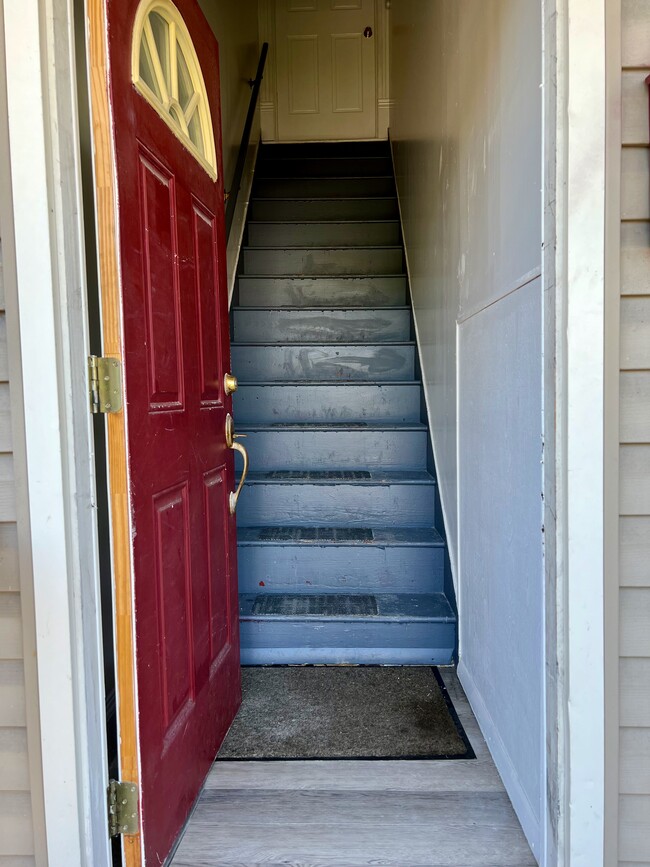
367, 32
230, 383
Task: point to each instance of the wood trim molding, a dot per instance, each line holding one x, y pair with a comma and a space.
109, 281
611, 446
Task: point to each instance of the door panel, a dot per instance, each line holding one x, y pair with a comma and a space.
175, 351
325, 69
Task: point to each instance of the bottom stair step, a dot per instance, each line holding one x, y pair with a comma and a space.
357, 629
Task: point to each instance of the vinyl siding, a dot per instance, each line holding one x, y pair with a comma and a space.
16, 831
634, 467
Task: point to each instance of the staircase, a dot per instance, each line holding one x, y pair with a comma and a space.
339, 558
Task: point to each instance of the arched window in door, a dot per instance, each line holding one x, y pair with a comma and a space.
166, 71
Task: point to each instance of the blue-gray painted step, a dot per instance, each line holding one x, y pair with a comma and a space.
285, 150
336, 446
408, 630
305, 188
395, 499
388, 362
325, 166
341, 291
351, 233
396, 560
298, 325
341, 208
334, 402
322, 260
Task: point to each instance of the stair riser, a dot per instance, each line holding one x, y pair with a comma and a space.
324, 209
371, 260
388, 363
335, 403
335, 569
325, 167
300, 150
339, 643
326, 326
337, 450
317, 291
322, 234
305, 188
336, 505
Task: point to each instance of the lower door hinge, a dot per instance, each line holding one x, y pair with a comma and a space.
104, 384
122, 808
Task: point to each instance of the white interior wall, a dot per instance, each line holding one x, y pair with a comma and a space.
467, 143
235, 26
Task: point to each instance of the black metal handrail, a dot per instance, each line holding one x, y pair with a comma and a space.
255, 84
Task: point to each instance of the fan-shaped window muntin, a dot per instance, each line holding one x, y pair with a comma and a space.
166, 71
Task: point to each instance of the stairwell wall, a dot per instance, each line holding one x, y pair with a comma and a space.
235, 26
467, 145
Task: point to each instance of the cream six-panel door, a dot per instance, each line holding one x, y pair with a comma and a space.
326, 69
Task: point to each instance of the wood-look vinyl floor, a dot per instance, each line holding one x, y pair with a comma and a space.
357, 814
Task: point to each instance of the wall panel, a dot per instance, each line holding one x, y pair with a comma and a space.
467, 143
634, 464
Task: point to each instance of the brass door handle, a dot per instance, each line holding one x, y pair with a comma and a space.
230, 383
231, 438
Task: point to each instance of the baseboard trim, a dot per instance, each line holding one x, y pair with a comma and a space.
530, 824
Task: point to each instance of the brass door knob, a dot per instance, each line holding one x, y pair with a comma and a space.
230, 383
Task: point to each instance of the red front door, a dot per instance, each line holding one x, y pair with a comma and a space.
164, 89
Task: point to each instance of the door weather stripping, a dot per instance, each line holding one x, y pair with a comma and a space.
104, 384
122, 808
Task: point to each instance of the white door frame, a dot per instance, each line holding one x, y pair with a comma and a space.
47, 216
582, 150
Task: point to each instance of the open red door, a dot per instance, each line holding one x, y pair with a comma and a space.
164, 98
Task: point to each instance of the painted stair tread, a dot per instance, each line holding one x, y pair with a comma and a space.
325, 167
324, 209
332, 426
321, 324
315, 260
341, 291
315, 534
333, 477
328, 223
323, 233
327, 509
381, 537
333, 344
274, 150
316, 604
430, 607
304, 188
320, 308
324, 362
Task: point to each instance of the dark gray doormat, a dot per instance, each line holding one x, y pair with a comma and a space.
332, 712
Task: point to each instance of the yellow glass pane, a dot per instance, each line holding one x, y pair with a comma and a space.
160, 29
196, 135
185, 85
146, 69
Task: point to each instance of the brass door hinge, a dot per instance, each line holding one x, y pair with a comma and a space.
104, 384
122, 808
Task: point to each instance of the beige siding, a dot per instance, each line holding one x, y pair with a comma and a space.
634, 496
16, 832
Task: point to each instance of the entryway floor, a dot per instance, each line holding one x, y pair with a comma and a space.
358, 813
